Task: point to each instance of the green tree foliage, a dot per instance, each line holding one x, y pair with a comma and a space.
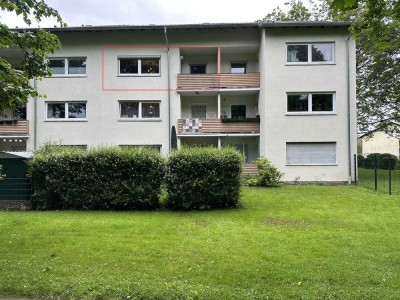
377, 32
296, 12
375, 28
342, 5
15, 83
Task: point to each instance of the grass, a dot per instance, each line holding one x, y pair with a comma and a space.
293, 242
366, 179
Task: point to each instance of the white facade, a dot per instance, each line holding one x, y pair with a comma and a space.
247, 92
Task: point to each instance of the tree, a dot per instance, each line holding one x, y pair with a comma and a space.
33, 46
297, 12
376, 30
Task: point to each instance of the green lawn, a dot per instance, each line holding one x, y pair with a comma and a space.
310, 242
366, 178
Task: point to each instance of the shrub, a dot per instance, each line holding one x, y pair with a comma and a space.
384, 161
268, 174
203, 178
101, 178
360, 160
369, 161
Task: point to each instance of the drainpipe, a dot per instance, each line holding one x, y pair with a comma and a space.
348, 104
35, 116
169, 90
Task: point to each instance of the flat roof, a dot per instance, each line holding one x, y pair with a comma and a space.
292, 24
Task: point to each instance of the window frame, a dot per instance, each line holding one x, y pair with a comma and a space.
139, 74
239, 63
157, 147
66, 118
66, 62
197, 64
246, 110
310, 111
197, 104
309, 54
309, 163
140, 110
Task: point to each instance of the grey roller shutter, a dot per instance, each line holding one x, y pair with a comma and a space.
310, 153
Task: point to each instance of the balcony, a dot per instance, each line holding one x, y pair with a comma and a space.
14, 127
216, 126
218, 81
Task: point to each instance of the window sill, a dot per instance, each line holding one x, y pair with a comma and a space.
302, 165
139, 120
310, 64
139, 75
311, 114
67, 76
65, 120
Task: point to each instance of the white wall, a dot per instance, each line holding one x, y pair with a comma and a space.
265, 52
210, 102
103, 125
280, 78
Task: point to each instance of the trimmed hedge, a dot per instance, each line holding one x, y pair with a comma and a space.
203, 178
382, 161
100, 178
360, 160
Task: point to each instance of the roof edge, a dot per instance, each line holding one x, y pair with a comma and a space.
192, 26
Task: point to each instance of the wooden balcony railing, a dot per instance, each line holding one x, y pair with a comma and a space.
218, 81
14, 127
217, 126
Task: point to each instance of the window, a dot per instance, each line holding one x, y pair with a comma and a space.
145, 66
198, 111
198, 69
68, 66
19, 113
80, 147
238, 68
139, 110
238, 111
311, 103
66, 110
156, 147
311, 153
310, 53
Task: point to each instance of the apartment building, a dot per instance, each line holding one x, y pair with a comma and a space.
283, 90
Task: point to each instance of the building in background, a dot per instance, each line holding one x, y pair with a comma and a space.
380, 142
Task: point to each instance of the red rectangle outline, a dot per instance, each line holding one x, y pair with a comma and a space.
159, 47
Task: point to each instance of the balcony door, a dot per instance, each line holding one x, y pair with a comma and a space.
198, 111
244, 150
198, 68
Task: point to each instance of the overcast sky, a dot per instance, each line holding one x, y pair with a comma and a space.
144, 12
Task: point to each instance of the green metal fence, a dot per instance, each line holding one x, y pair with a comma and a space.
379, 172
15, 188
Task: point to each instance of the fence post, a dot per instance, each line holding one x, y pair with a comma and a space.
390, 177
376, 172
355, 169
